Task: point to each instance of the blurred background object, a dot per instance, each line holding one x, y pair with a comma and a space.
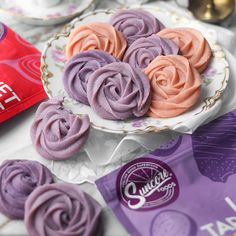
46, 3
211, 11
130, 2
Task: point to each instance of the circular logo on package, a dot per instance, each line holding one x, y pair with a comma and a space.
146, 183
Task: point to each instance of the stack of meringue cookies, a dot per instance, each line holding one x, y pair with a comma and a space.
132, 67
28, 192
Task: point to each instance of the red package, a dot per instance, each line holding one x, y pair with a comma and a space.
20, 83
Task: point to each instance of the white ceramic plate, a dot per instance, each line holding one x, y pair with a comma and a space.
31, 13
215, 77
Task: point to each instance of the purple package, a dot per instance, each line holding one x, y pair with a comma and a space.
184, 188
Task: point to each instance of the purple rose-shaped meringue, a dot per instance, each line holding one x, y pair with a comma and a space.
135, 24
144, 50
56, 132
18, 179
117, 91
79, 69
62, 209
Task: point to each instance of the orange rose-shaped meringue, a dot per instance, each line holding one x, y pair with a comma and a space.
175, 85
192, 45
99, 35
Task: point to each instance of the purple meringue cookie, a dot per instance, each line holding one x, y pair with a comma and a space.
117, 91
135, 24
79, 69
62, 209
56, 132
18, 178
144, 50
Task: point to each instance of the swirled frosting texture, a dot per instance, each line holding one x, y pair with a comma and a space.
98, 35
144, 50
79, 69
61, 210
56, 132
175, 85
117, 91
135, 24
18, 179
192, 45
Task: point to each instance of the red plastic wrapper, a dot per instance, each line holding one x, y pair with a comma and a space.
20, 83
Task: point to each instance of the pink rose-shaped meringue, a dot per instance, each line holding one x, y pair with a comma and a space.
144, 50
117, 91
97, 35
79, 69
18, 178
62, 209
192, 45
175, 86
135, 24
56, 132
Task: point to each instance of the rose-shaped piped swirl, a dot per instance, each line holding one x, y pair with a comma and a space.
62, 210
135, 24
98, 35
56, 132
192, 45
117, 91
79, 69
175, 86
18, 179
144, 50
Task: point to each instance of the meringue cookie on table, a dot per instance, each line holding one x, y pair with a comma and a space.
175, 85
18, 178
62, 209
56, 132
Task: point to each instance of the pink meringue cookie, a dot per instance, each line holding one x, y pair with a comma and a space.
144, 50
56, 132
175, 85
117, 91
96, 35
62, 209
136, 24
192, 45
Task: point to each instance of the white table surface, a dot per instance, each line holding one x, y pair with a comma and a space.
14, 134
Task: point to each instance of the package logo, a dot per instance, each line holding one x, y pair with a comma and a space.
147, 183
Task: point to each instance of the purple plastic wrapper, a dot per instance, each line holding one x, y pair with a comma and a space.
183, 188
